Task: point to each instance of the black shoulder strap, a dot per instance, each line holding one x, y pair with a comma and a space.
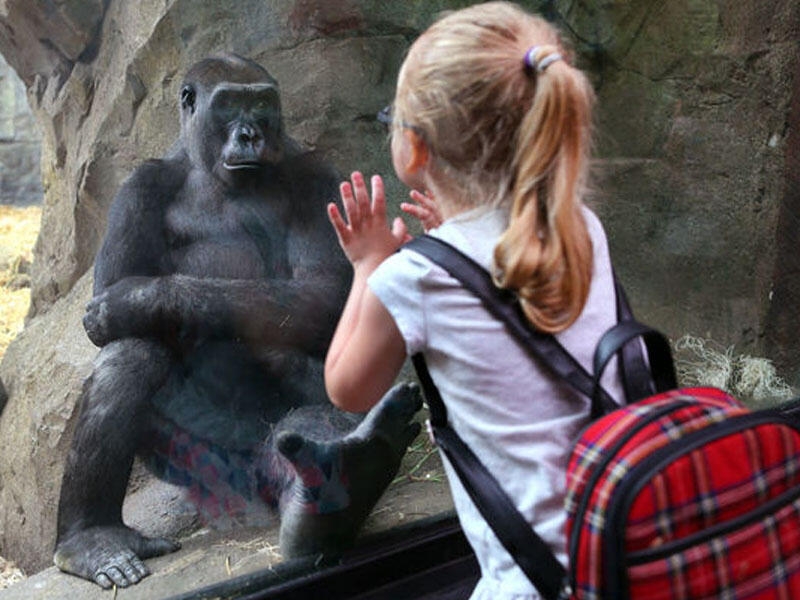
504, 306
661, 368
528, 549
637, 379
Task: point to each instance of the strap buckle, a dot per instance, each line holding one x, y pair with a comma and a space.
429, 431
565, 593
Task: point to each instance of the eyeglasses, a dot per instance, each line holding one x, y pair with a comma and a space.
385, 117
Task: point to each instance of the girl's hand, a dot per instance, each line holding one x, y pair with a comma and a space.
365, 236
425, 209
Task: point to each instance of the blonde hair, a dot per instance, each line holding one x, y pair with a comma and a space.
501, 131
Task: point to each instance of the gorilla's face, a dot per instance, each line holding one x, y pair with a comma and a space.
231, 129
248, 118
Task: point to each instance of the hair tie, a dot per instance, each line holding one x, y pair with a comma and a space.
541, 65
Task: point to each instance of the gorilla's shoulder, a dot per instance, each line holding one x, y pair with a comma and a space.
151, 185
158, 174
311, 175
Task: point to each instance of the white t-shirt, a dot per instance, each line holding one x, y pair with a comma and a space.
518, 419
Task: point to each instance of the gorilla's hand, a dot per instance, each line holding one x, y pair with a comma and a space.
127, 308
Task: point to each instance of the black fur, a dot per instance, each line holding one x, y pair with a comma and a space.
218, 285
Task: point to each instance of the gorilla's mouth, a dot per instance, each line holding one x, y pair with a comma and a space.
240, 165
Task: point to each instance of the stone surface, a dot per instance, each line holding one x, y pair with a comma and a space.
36, 425
212, 557
697, 171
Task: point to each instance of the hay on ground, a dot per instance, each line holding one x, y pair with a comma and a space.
9, 573
752, 379
19, 228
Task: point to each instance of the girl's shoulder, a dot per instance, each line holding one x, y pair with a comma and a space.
593, 223
475, 233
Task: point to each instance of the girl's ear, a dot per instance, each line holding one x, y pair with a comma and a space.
418, 154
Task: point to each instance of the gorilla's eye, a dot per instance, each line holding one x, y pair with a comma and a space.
226, 109
187, 98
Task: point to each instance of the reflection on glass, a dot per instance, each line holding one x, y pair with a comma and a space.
693, 183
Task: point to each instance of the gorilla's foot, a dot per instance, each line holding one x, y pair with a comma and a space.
339, 482
109, 555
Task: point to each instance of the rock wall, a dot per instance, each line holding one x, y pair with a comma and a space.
695, 142
694, 135
782, 341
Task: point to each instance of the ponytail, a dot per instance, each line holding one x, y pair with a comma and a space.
545, 255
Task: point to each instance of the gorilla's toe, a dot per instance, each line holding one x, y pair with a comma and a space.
289, 444
116, 575
404, 399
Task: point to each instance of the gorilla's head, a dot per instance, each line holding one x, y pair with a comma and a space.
231, 121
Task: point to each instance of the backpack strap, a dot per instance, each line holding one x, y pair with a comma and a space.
527, 548
637, 379
505, 307
658, 353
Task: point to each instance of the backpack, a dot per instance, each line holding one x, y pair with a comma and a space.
682, 493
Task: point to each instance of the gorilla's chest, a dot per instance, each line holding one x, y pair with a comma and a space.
234, 238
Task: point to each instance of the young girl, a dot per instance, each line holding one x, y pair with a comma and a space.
493, 122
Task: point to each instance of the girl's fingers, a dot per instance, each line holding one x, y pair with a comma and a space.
358, 207
361, 195
400, 231
338, 222
422, 199
425, 209
378, 197
414, 210
348, 201
426, 217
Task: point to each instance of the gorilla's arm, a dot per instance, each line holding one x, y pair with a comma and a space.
135, 241
299, 313
296, 313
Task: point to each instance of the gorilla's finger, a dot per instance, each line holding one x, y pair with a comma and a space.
140, 567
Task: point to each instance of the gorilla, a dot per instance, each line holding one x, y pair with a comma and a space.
216, 291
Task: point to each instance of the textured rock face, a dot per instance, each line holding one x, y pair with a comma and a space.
696, 137
782, 340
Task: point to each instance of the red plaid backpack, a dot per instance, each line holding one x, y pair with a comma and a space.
682, 494
686, 494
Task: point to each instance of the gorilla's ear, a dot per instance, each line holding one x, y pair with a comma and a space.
187, 98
